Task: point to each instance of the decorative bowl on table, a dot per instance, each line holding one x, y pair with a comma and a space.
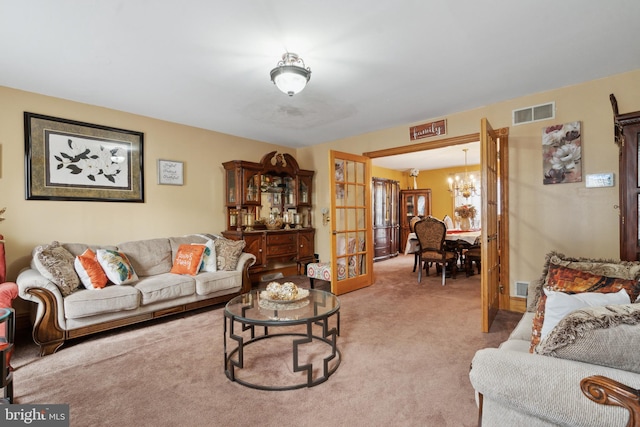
284, 293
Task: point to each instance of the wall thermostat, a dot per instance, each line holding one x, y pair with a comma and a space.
599, 180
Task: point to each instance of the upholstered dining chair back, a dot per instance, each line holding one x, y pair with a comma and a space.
412, 223
448, 222
431, 233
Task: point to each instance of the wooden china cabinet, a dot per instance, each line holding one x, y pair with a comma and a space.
268, 205
386, 231
413, 203
627, 137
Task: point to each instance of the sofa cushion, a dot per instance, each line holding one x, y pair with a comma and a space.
209, 261
602, 267
55, 263
90, 271
188, 259
116, 266
560, 304
175, 242
91, 302
164, 287
228, 252
208, 283
605, 336
148, 257
569, 280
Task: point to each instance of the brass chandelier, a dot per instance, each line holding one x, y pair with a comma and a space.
465, 187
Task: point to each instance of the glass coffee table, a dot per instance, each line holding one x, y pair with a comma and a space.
309, 325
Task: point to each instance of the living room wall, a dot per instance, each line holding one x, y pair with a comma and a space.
565, 217
197, 206
570, 218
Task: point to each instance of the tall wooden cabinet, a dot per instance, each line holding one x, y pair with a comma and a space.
413, 203
268, 206
386, 230
627, 137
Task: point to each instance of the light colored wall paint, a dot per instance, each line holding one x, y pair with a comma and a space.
565, 217
195, 207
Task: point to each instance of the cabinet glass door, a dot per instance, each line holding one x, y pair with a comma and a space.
421, 205
410, 207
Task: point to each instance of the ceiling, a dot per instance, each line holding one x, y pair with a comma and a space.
375, 65
437, 158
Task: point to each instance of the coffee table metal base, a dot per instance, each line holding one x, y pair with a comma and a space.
234, 359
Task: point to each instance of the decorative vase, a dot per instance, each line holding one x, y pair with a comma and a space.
415, 183
465, 224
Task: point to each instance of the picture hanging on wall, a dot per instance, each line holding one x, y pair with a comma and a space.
69, 160
562, 153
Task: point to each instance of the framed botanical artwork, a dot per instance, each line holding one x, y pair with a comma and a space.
170, 172
70, 160
562, 153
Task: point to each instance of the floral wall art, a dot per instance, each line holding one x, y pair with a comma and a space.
562, 153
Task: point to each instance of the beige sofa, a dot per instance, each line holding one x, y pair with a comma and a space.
590, 356
157, 292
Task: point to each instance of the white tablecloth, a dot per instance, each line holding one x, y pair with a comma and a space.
468, 236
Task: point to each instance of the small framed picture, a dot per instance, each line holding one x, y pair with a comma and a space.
170, 172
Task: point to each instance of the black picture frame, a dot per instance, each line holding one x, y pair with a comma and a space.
76, 161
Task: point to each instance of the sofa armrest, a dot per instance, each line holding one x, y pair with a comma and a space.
508, 377
245, 261
49, 326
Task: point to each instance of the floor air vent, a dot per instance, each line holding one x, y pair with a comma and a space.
521, 289
534, 113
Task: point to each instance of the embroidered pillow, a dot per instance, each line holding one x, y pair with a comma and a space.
188, 259
209, 262
55, 263
89, 270
573, 281
227, 253
116, 266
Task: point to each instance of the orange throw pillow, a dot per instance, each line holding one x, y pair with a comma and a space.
572, 281
188, 259
90, 271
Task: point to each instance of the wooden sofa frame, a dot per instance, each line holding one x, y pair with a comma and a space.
49, 336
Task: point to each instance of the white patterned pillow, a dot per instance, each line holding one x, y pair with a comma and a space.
55, 263
209, 262
116, 266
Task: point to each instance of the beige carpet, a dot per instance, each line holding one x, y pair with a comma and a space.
406, 349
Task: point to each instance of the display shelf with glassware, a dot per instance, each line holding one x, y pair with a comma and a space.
269, 206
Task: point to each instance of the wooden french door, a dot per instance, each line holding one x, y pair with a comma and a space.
490, 276
351, 228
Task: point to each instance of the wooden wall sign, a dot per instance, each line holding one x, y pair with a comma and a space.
428, 130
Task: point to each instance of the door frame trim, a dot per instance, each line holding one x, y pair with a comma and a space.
503, 135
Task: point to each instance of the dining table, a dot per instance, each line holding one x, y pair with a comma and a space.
469, 236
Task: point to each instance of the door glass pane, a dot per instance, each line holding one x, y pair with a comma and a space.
360, 173
352, 175
351, 194
351, 219
361, 220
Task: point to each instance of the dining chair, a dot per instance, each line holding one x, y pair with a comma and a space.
473, 255
448, 222
412, 223
431, 233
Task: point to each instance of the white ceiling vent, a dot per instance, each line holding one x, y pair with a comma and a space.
534, 113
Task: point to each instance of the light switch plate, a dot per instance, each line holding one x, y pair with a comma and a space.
599, 180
